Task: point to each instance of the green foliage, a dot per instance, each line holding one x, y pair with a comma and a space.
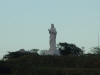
54, 65
34, 50
24, 63
95, 50
20, 53
69, 49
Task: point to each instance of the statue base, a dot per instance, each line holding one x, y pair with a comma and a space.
53, 52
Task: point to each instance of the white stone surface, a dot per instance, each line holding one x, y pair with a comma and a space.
52, 41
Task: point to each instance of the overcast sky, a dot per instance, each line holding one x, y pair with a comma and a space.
25, 23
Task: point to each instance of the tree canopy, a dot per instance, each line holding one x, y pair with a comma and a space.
20, 53
95, 50
67, 49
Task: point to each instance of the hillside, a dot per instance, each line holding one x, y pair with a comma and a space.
53, 65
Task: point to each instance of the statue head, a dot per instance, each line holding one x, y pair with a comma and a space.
52, 25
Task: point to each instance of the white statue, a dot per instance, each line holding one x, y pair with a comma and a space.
52, 42
53, 34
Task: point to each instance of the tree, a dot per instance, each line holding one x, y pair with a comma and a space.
69, 49
95, 50
34, 50
18, 54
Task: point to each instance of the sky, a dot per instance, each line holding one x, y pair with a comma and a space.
25, 23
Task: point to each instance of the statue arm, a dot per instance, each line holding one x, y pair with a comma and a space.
49, 30
55, 31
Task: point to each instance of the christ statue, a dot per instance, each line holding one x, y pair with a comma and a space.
53, 33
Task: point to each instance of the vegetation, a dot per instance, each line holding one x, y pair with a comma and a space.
55, 65
21, 52
95, 50
69, 49
71, 62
